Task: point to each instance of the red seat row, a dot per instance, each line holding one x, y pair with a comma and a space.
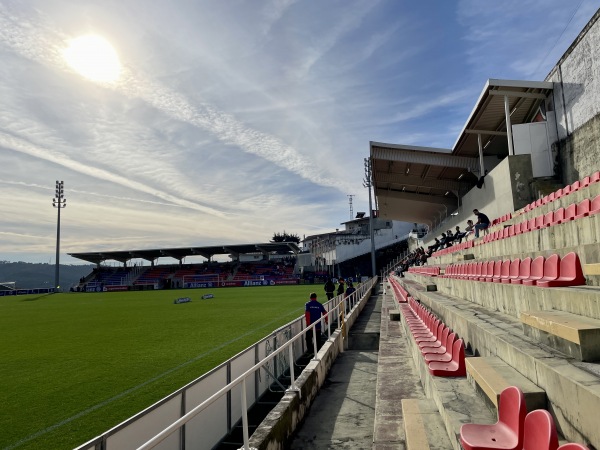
574, 211
400, 293
515, 429
577, 185
442, 351
454, 248
501, 219
425, 270
553, 271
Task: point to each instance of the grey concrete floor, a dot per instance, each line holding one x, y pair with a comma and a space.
343, 413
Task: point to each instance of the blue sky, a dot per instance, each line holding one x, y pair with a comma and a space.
234, 119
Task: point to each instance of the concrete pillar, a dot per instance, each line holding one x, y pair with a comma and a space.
481, 164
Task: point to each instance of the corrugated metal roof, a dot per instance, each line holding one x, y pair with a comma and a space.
415, 184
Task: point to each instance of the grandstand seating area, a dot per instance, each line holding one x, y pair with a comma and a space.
176, 275
524, 302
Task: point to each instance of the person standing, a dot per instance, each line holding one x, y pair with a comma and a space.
483, 222
313, 310
349, 291
341, 288
329, 288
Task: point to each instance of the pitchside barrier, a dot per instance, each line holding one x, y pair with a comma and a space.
202, 413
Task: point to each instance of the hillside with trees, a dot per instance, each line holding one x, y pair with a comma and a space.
35, 275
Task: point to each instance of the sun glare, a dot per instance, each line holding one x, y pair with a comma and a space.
93, 57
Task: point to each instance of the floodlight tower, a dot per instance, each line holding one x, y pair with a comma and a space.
350, 202
59, 201
368, 183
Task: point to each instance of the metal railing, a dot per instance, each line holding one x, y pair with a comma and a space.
338, 310
212, 423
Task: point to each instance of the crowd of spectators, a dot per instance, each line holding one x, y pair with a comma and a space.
419, 256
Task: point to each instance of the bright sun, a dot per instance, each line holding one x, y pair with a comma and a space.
94, 58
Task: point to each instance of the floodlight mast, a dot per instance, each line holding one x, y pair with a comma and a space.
368, 183
59, 201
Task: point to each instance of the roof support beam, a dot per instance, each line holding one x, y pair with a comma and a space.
518, 94
486, 132
419, 157
398, 179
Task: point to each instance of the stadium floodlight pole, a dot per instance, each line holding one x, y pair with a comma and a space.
368, 183
59, 201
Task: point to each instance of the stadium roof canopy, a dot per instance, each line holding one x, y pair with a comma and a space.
180, 253
418, 184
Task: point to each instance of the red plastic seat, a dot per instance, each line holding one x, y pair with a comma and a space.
504, 271
570, 212
567, 190
595, 205
539, 222
484, 270
424, 340
586, 182
576, 186
442, 353
439, 343
524, 271
558, 194
570, 273
525, 226
491, 270
513, 271
573, 446
454, 368
537, 272
478, 270
539, 432
595, 178
506, 433
497, 271
548, 219
559, 215
551, 270
583, 208
518, 228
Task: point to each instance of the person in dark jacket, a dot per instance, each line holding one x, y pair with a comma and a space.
329, 288
341, 287
483, 222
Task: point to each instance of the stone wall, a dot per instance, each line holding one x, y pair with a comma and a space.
576, 101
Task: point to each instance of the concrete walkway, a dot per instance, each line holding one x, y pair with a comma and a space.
358, 407
343, 412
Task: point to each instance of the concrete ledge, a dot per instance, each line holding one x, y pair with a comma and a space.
591, 269
423, 426
455, 398
573, 393
279, 425
574, 335
491, 376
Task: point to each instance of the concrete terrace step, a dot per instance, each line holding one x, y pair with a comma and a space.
491, 376
397, 379
423, 426
512, 299
575, 335
573, 392
455, 398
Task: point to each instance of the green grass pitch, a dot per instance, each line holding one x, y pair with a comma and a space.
74, 365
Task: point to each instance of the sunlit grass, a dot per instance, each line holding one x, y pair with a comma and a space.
74, 365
